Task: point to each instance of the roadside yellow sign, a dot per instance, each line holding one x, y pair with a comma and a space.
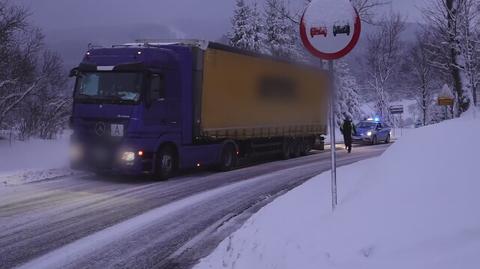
445, 101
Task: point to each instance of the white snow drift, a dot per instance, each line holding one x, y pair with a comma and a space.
416, 206
33, 160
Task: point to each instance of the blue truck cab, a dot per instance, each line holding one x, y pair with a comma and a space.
132, 111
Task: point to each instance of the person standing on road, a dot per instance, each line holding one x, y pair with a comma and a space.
348, 129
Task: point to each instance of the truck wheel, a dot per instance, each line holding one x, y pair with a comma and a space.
165, 163
229, 158
305, 148
387, 140
287, 150
297, 149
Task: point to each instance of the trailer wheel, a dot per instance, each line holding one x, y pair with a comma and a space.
165, 163
297, 149
287, 150
229, 159
305, 148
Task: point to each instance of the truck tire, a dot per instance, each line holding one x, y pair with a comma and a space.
297, 149
165, 163
287, 150
229, 158
306, 147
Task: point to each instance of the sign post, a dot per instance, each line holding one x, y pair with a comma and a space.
329, 30
332, 136
398, 109
445, 101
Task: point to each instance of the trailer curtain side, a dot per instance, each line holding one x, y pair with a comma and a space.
243, 96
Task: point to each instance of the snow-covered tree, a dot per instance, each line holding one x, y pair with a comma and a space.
453, 34
25, 73
347, 98
365, 8
246, 30
469, 44
423, 79
383, 61
280, 32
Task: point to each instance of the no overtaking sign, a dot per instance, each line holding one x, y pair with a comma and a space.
330, 29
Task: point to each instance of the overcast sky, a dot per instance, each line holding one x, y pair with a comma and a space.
70, 25
64, 14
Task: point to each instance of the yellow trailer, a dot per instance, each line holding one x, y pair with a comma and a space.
246, 96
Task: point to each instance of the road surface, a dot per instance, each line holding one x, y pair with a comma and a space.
87, 221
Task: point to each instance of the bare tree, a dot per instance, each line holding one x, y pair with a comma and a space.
469, 48
32, 81
424, 79
15, 64
451, 29
365, 9
44, 112
383, 60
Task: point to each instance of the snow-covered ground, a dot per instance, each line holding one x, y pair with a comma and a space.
416, 206
32, 160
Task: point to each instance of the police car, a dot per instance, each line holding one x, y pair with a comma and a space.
372, 131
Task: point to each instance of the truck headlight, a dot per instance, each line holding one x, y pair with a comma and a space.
369, 133
128, 156
76, 152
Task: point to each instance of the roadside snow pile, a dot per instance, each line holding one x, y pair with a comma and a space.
33, 160
416, 206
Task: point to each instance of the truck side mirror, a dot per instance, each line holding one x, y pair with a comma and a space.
74, 72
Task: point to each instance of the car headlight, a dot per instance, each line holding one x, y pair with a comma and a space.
128, 156
369, 133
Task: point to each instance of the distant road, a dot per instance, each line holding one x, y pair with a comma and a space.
94, 222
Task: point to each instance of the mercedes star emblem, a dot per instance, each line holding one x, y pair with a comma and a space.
100, 128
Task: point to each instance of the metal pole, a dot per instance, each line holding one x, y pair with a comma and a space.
401, 125
332, 135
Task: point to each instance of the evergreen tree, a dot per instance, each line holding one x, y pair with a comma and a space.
280, 33
258, 37
246, 27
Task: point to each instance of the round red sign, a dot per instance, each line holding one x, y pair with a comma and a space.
330, 29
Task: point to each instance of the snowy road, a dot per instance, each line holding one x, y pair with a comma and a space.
93, 222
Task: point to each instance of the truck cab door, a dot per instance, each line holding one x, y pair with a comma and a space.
156, 104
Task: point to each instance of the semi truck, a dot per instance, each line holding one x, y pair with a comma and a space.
156, 107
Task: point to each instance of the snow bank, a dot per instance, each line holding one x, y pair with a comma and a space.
416, 206
35, 159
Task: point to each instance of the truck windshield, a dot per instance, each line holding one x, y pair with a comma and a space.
112, 87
